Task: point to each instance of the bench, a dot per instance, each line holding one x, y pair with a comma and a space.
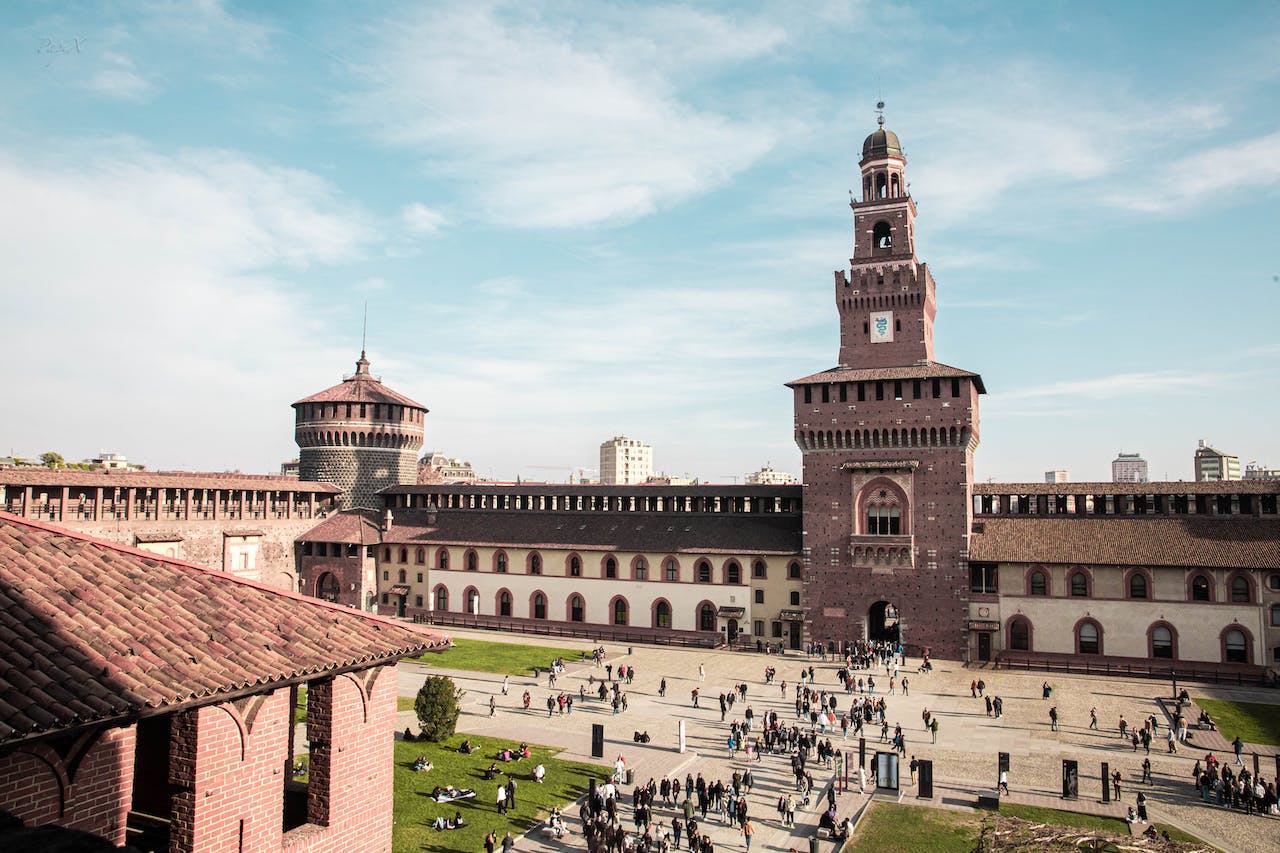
989, 800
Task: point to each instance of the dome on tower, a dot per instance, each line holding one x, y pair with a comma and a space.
881, 143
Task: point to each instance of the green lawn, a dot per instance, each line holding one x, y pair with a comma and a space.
888, 826
300, 709
415, 810
501, 658
1255, 722
405, 703
1058, 817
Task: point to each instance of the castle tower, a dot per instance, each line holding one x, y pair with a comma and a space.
359, 435
887, 438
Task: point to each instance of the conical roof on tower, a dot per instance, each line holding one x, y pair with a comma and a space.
361, 387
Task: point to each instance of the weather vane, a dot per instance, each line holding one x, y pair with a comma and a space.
880, 113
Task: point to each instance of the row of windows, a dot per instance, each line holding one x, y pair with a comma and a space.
1124, 504
879, 389
983, 578
575, 608
1162, 639
731, 571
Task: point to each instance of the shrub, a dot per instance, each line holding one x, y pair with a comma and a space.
437, 707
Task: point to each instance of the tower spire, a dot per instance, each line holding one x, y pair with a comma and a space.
364, 328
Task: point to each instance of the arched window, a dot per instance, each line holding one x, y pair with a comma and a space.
793, 571
500, 562
576, 609
1200, 590
539, 606
504, 603
404, 555
1137, 585
1240, 591
707, 617
473, 561
1162, 642
640, 569
473, 601
1080, 584
704, 571
662, 615
1020, 635
620, 611
610, 567
732, 573
575, 566
535, 563
328, 588
403, 576
758, 569
1039, 583
1088, 638
883, 520
442, 598
672, 569
420, 557
1235, 647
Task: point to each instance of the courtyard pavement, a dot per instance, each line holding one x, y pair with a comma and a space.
964, 757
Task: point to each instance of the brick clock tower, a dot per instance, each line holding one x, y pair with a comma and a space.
887, 438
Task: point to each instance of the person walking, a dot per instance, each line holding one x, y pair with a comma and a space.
748, 830
1093, 718
502, 799
493, 707
702, 672
1238, 746
1115, 784
1003, 787
506, 681
1053, 718
933, 728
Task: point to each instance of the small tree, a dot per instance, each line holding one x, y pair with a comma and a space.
52, 459
437, 707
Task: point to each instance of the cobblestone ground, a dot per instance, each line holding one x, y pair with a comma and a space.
965, 755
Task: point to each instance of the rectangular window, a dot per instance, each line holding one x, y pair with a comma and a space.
879, 390
384, 596
937, 388
776, 629
758, 628
419, 577
808, 393
306, 549
759, 596
862, 392
915, 388
417, 600
955, 387
982, 578
826, 393
897, 389
844, 392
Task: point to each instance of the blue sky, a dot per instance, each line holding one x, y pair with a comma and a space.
577, 220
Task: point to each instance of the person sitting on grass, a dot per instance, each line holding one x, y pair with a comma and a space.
539, 774
491, 772
421, 763
455, 822
466, 748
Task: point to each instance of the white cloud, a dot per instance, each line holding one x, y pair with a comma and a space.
1252, 164
118, 79
420, 219
560, 124
1118, 385
158, 280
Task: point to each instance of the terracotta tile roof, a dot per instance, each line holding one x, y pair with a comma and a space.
1249, 543
160, 480
353, 526
93, 631
360, 389
1167, 487
674, 533
932, 370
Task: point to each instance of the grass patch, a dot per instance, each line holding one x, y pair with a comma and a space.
300, 709
1254, 722
888, 826
405, 703
500, 658
415, 810
1178, 835
1057, 817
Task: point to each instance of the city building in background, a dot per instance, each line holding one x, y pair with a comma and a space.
625, 461
1254, 471
1129, 468
435, 467
1059, 475
1213, 464
767, 476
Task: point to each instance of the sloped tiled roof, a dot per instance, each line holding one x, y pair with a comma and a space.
931, 370
159, 480
1184, 541
353, 526
362, 387
93, 631
675, 533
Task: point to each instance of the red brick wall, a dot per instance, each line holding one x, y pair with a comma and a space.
231, 787
36, 787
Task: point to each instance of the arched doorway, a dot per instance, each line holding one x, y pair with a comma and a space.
883, 623
732, 631
327, 587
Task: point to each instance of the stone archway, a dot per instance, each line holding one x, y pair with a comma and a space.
883, 623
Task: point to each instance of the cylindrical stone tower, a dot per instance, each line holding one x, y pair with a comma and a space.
360, 436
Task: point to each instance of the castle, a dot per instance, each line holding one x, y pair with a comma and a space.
888, 539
